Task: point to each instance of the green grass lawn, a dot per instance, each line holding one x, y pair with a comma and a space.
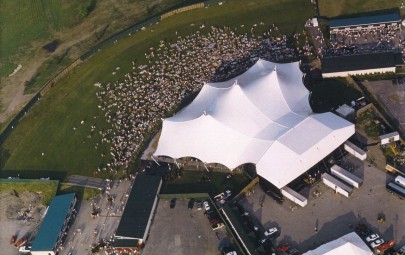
48, 128
191, 182
47, 189
332, 8
22, 22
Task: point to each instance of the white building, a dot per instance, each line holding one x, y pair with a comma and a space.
262, 117
350, 244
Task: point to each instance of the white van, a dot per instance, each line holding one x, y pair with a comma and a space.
400, 180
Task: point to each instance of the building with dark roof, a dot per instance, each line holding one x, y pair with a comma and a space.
360, 64
52, 230
138, 213
245, 237
365, 22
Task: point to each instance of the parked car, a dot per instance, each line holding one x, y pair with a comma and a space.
172, 203
401, 251
13, 239
377, 243
25, 249
283, 247
206, 206
20, 242
191, 204
199, 205
270, 232
212, 215
372, 237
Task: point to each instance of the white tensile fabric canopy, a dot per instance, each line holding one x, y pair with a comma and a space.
350, 244
262, 117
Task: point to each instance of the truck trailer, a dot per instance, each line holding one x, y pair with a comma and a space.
346, 176
336, 185
294, 196
355, 150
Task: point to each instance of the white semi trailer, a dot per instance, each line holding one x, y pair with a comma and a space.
294, 196
336, 185
355, 150
346, 176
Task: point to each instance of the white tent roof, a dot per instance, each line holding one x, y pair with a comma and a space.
350, 244
262, 117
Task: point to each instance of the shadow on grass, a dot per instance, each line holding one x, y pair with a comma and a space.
82, 193
34, 174
177, 188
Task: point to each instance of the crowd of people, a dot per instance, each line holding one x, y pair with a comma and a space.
176, 71
370, 40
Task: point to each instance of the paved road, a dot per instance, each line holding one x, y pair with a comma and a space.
85, 181
85, 230
333, 214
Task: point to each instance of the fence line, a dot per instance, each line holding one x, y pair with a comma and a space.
183, 9
113, 39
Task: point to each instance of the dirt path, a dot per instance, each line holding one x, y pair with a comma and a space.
110, 15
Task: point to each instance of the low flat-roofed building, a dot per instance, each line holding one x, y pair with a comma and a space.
360, 64
246, 241
52, 230
346, 112
364, 22
138, 213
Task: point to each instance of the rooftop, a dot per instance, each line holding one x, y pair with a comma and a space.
53, 222
238, 227
139, 206
360, 62
365, 20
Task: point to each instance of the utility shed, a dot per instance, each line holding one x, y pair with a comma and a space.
389, 138
137, 216
54, 224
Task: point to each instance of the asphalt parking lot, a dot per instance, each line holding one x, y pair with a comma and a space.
182, 231
86, 230
333, 215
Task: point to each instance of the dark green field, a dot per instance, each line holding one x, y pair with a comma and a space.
45, 139
332, 8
